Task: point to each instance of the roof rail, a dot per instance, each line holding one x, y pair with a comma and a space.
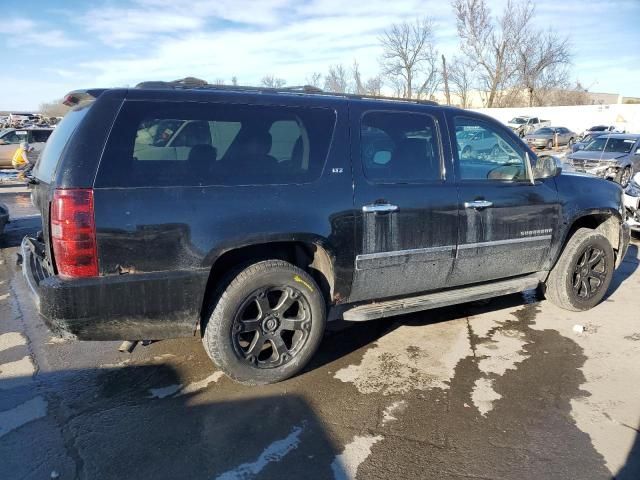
194, 83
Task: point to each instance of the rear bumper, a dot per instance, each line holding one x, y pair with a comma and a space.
143, 306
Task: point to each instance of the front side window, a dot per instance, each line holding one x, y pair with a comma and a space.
399, 147
174, 144
486, 153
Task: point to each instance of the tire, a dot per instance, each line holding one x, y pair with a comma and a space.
624, 177
251, 311
550, 144
571, 142
575, 287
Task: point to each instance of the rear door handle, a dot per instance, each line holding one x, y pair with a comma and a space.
379, 208
478, 204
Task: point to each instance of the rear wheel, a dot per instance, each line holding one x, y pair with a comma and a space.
582, 275
550, 144
266, 324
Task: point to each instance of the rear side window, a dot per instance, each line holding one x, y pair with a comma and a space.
40, 136
188, 144
399, 147
46, 166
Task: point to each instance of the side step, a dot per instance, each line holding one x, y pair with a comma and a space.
445, 298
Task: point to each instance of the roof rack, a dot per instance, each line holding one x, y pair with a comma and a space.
195, 83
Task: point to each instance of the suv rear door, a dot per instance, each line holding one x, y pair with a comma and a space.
405, 201
506, 223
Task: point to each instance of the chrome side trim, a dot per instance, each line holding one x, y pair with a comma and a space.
400, 253
447, 248
496, 243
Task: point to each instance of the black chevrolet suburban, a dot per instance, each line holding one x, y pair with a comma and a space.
251, 217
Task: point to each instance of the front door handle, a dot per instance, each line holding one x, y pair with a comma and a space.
379, 208
478, 204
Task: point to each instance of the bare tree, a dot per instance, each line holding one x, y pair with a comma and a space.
219, 81
234, 81
461, 79
542, 61
358, 85
53, 109
409, 58
491, 43
314, 80
336, 80
373, 86
445, 80
271, 81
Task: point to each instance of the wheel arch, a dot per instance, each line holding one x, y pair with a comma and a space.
311, 253
604, 221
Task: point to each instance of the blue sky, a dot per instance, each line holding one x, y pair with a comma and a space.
49, 48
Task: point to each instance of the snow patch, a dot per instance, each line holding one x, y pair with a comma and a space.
389, 413
483, 395
345, 466
11, 339
202, 384
410, 357
273, 453
22, 414
16, 374
163, 392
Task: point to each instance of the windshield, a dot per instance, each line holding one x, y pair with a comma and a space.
605, 144
543, 131
518, 120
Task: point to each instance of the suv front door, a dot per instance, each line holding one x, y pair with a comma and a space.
506, 222
406, 204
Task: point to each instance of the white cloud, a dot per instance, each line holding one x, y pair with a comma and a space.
23, 32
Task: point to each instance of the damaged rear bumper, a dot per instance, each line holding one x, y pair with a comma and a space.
142, 306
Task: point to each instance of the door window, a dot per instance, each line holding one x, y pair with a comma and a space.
485, 153
399, 147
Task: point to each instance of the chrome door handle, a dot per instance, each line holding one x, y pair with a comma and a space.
478, 204
379, 208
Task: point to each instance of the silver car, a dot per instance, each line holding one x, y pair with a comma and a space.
548, 137
11, 138
615, 157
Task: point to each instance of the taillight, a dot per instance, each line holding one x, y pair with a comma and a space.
73, 233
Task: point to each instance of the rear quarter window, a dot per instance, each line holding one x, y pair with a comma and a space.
195, 144
48, 161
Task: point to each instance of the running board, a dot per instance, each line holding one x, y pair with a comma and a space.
445, 298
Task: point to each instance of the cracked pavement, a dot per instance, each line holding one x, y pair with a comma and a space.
501, 389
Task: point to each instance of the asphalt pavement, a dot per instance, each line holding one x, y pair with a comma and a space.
513, 388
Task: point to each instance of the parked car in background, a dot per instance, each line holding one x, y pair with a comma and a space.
602, 129
256, 215
632, 202
615, 156
525, 125
548, 137
10, 140
586, 140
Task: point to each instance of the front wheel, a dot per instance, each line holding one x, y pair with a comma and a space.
624, 177
266, 324
582, 275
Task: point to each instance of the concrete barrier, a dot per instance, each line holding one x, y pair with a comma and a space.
577, 118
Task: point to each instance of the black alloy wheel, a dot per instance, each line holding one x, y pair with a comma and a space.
271, 326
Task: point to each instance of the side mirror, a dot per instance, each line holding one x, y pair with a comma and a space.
638, 151
579, 146
547, 166
636, 178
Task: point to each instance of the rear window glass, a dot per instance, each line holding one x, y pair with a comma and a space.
175, 144
46, 166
